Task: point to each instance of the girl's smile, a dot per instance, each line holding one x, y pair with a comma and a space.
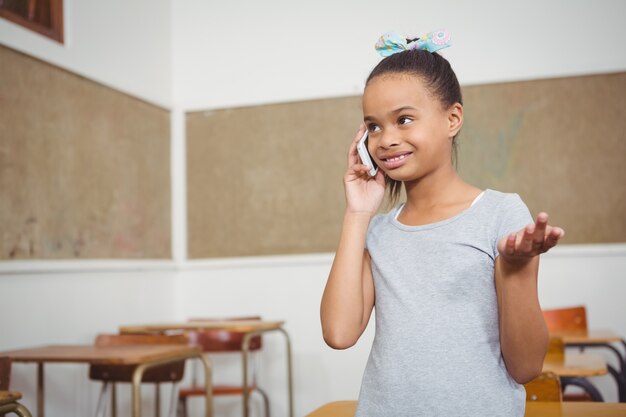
394, 160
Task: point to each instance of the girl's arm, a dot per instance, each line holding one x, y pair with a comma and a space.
523, 332
348, 298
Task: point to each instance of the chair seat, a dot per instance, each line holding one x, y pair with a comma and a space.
9, 397
217, 390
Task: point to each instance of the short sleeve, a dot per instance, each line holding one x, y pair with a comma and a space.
372, 229
514, 215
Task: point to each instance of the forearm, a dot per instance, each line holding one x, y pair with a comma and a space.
346, 303
523, 332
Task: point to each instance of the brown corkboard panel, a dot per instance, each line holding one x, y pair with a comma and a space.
268, 179
84, 169
559, 143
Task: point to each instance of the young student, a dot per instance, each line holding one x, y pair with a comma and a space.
452, 271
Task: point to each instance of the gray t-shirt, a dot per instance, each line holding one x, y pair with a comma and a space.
436, 351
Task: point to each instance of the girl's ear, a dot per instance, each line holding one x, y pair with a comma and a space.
455, 119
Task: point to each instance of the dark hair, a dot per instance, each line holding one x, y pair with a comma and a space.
436, 74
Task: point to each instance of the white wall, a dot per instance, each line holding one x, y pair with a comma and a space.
74, 303
236, 53
241, 52
57, 303
122, 44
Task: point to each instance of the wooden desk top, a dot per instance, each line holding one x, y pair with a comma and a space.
574, 409
533, 409
591, 337
106, 355
243, 326
335, 409
576, 365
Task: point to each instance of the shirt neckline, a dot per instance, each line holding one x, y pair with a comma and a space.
477, 202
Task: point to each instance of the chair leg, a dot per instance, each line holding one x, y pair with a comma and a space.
182, 407
14, 408
101, 409
113, 400
584, 384
22, 411
173, 397
157, 400
266, 401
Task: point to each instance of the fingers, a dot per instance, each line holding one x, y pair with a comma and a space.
533, 240
554, 234
546, 237
357, 171
509, 247
540, 230
527, 242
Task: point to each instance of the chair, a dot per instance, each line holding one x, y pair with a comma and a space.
566, 319
9, 399
221, 341
569, 319
111, 374
546, 387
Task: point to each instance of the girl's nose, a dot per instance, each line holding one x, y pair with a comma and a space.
388, 140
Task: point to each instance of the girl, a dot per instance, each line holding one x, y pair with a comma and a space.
452, 271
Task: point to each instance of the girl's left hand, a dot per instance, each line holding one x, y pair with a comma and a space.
531, 241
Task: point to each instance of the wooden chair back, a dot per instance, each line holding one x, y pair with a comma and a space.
546, 387
566, 319
5, 373
123, 373
224, 340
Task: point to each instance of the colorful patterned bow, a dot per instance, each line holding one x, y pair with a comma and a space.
391, 43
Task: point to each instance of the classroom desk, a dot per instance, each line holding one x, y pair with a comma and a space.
144, 356
533, 409
251, 328
605, 339
576, 365
572, 368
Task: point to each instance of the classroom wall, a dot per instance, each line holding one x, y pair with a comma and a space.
69, 302
244, 53
122, 44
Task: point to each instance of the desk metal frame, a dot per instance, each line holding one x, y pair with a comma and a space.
578, 341
136, 381
246, 353
250, 329
618, 375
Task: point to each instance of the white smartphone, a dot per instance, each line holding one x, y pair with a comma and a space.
364, 154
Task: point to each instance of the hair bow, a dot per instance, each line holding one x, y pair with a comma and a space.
391, 43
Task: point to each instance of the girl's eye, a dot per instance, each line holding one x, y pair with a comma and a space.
373, 128
404, 120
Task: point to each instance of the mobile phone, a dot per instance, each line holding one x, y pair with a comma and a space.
364, 154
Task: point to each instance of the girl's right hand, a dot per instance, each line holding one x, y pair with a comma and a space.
364, 194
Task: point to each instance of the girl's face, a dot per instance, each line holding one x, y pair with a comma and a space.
410, 133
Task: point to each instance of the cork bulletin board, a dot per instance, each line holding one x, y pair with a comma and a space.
268, 179
84, 169
559, 143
